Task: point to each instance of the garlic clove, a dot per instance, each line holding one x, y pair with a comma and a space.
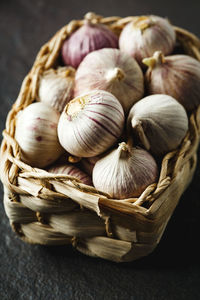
71, 170
89, 37
56, 87
114, 71
125, 172
36, 134
175, 75
159, 122
145, 35
91, 123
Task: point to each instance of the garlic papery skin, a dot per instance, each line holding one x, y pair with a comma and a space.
71, 170
56, 87
145, 35
89, 37
125, 172
159, 122
36, 134
113, 71
174, 75
91, 123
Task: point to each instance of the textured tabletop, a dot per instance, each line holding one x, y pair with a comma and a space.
172, 271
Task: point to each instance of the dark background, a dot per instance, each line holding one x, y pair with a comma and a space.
172, 271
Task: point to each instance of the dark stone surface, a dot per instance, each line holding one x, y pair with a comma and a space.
172, 271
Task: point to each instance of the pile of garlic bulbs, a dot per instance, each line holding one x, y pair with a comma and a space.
116, 106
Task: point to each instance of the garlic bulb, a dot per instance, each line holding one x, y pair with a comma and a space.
145, 35
125, 172
70, 170
113, 71
87, 38
90, 124
56, 87
160, 123
36, 134
175, 75
87, 164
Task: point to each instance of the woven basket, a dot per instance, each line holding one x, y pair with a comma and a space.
53, 210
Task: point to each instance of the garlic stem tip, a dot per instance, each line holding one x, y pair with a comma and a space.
119, 73
123, 148
149, 62
115, 74
159, 57
90, 15
135, 122
74, 159
123, 145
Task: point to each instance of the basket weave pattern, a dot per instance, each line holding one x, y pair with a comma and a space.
51, 209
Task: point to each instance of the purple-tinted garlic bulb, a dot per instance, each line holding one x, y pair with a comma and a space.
114, 71
71, 170
145, 35
89, 37
174, 75
125, 172
91, 123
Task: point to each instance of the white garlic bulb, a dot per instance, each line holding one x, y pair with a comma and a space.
71, 170
36, 134
56, 87
160, 123
90, 124
174, 75
145, 35
125, 172
113, 71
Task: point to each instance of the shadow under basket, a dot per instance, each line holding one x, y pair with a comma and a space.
47, 209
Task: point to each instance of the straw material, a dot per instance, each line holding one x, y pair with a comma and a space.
52, 210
